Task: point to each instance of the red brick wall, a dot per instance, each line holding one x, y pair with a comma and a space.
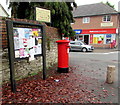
51, 32
3, 33
95, 23
101, 45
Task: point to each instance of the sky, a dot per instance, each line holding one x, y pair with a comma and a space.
79, 2
84, 2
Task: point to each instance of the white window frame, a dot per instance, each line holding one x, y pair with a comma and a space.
86, 19
106, 18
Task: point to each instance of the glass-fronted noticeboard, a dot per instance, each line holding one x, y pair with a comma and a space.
27, 42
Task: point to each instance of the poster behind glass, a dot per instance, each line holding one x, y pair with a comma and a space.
108, 38
27, 42
98, 39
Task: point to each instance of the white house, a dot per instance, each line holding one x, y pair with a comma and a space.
4, 11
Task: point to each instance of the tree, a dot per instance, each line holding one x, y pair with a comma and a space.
24, 10
61, 16
14, 6
112, 6
61, 13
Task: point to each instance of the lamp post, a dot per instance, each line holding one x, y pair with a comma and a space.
63, 36
68, 35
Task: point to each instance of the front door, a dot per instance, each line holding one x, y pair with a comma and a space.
86, 39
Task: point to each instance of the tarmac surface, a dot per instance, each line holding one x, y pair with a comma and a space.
92, 66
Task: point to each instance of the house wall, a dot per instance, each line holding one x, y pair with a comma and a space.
95, 23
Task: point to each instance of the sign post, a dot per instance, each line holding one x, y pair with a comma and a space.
11, 55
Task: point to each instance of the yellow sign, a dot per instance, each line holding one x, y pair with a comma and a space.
106, 24
95, 40
43, 15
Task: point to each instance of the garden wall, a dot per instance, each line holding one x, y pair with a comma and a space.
102, 46
24, 68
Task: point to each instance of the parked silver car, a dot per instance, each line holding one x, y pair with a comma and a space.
80, 46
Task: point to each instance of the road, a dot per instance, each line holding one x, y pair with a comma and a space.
94, 65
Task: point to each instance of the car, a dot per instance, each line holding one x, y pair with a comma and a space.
80, 46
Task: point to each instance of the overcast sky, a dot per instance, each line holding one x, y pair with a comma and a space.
84, 2
79, 2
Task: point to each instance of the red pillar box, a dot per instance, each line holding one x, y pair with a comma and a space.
63, 58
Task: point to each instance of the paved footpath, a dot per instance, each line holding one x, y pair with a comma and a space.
77, 86
104, 50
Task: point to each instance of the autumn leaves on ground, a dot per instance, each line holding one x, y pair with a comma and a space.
58, 88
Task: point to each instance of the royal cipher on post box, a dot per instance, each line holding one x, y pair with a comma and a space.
63, 56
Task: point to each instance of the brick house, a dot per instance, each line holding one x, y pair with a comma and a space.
96, 24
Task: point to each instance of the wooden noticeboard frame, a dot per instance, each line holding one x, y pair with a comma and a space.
11, 51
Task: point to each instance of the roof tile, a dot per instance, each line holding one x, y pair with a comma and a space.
93, 9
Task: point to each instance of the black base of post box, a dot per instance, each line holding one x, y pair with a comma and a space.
63, 70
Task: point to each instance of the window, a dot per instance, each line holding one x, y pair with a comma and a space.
86, 20
80, 37
77, 43
98, 39
108, 38
106, 18
72, 42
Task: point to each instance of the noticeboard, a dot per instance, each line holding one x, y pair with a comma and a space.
25, 41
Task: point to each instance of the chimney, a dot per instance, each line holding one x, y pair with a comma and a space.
119, 6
